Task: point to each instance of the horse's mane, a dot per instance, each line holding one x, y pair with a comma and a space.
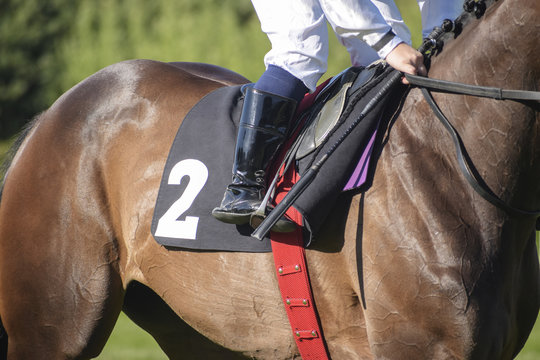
465, 18
8, 159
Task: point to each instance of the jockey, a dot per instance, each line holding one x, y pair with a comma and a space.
297, 30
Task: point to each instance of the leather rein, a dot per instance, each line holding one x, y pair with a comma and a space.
465, 163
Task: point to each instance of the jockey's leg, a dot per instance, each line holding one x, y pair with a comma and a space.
264, 124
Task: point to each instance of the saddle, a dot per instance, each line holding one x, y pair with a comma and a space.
329, 104
199, 163
338, 129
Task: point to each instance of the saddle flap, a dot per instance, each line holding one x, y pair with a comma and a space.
326, 118
323, 123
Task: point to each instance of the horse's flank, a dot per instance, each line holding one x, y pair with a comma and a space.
445, 274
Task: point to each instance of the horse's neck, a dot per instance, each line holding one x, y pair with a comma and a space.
498, 50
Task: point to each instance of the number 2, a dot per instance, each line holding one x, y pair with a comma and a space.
168, 224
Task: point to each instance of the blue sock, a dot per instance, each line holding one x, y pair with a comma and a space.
280, 82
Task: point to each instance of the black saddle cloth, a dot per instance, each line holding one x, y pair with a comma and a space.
198, 167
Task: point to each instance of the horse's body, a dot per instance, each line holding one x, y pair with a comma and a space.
444, 273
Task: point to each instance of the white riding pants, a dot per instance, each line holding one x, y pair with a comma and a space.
298, 32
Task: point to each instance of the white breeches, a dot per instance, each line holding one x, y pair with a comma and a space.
297, 30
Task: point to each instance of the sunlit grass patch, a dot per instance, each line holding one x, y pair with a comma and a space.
128, 341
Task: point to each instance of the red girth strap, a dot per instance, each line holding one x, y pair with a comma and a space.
293, 279
291, 271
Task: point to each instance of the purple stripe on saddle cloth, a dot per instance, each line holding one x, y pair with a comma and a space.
359, 175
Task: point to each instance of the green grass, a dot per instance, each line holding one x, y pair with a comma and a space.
128, 341
531, 351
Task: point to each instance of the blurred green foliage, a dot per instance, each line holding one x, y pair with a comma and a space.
46, 47
30, 33
221, 32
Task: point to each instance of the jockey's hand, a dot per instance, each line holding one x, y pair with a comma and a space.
406, 59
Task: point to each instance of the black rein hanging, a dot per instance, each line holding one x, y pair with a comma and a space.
464, 161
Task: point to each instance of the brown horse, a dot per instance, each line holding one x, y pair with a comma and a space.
445, 274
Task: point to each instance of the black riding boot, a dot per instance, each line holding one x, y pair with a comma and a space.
263, 126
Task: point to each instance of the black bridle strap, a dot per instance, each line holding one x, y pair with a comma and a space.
474, 90
466, 166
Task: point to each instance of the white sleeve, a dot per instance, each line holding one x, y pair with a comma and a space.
392, 16
435, 11
298, 33
364, 19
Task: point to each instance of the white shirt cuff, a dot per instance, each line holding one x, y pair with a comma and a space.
389, 46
